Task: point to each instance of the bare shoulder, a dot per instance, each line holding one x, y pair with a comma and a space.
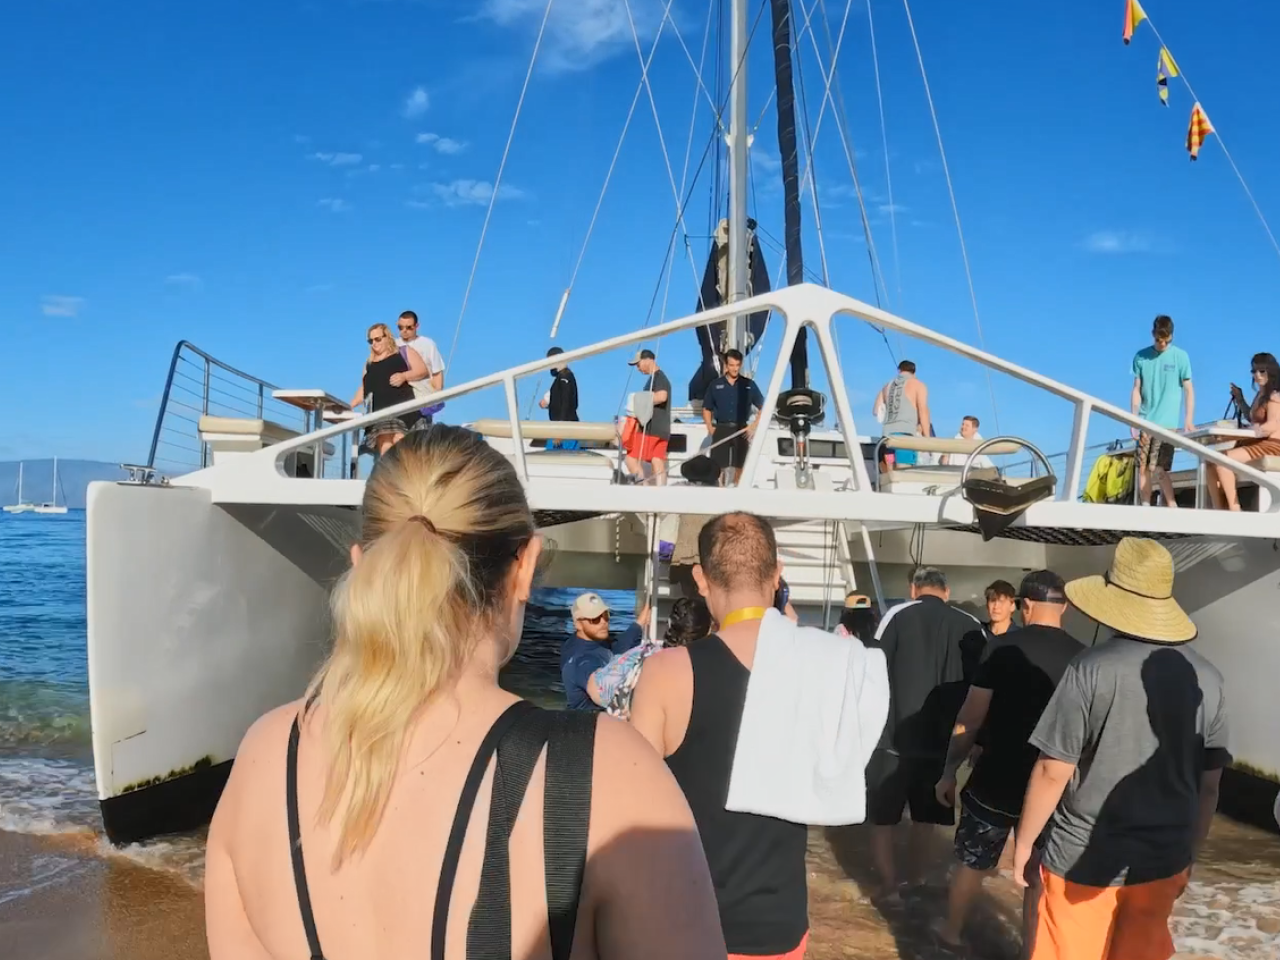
665, 665
261, 753
632, 784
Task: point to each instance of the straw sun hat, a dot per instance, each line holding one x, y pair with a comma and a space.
1135, 596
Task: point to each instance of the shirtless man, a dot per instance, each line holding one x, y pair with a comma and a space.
905, 402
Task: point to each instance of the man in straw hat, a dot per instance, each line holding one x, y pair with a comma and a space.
1132, 747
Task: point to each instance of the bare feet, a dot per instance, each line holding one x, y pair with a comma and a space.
945, 935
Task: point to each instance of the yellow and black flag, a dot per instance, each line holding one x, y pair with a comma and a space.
1199, 128
1166, 67
1133, 15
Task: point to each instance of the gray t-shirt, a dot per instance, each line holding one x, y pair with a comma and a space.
660, 422
1141, 722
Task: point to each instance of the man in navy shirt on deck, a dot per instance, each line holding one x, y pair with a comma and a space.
726, 410
589, 648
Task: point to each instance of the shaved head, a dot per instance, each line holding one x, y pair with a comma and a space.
738, 551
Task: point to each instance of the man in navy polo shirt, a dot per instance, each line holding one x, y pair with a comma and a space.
726, 410
589, 648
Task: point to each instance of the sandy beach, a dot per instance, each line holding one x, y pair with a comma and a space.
64, 897
61, 898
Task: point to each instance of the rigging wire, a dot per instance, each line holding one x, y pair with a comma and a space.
713, 141
841, 120
1222, 143
811, 164
595, 214
497, 184
657, 123
884, 140
955, 209
684, 173
617, 152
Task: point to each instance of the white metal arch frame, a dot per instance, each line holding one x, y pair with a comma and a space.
259, 477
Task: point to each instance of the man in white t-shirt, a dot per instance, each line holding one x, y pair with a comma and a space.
425, 347
968, 431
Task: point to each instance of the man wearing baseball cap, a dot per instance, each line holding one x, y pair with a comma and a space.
648, 442
1014, 680
1132, 746
589, 648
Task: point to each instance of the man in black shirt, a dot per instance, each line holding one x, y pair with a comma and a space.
1014, 682
561, 401
925, 643
726, 410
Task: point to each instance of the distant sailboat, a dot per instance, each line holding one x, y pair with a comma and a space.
53, 506
21, 506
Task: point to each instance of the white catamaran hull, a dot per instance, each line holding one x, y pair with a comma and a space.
202, 618
208, 593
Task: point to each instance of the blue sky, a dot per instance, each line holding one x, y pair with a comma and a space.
267, 179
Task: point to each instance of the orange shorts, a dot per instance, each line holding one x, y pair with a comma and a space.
645, 448
796, 954
1077, 922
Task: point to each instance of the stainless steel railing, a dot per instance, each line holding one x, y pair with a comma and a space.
199, 384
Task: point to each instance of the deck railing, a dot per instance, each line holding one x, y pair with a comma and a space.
800, 306
199, 384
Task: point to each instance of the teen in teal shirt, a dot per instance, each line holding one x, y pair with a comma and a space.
1161, 375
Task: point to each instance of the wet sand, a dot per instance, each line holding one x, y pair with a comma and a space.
63, 897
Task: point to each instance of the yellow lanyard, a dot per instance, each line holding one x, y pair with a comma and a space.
746, 613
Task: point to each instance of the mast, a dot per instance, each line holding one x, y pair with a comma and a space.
788, 152
738, 170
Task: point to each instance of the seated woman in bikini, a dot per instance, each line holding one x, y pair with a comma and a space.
1264, 418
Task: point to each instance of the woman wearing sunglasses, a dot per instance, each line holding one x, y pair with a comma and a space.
385, 383
1264, 418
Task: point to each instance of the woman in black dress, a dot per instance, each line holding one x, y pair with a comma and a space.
386, 383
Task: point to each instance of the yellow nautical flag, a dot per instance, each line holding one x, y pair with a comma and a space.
1133, 15
1166, 67
1199, 128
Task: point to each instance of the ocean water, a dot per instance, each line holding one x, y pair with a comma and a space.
1231, 910
46, 763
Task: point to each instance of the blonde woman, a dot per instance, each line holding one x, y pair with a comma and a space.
387, 381
368, 820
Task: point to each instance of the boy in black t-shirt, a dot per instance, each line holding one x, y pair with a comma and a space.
1013, 684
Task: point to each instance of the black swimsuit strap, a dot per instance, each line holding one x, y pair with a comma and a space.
295, 845
458, 832
569, 739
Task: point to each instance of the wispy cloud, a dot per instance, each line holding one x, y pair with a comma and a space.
56, 305
888, 208
301, 138
417, 103
580, 33
375, 167
338, 159
445, 145
189, 280
463, 193
334, 204
765, 162
1116, 241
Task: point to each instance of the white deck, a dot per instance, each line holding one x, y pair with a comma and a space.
578, 484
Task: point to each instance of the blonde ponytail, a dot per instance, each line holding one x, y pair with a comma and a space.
444, 516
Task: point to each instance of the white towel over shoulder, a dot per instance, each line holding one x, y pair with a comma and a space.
816, 706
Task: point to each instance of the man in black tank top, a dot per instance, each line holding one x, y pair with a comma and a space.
689, 704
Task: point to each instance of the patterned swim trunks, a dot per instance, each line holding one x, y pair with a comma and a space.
979, 843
